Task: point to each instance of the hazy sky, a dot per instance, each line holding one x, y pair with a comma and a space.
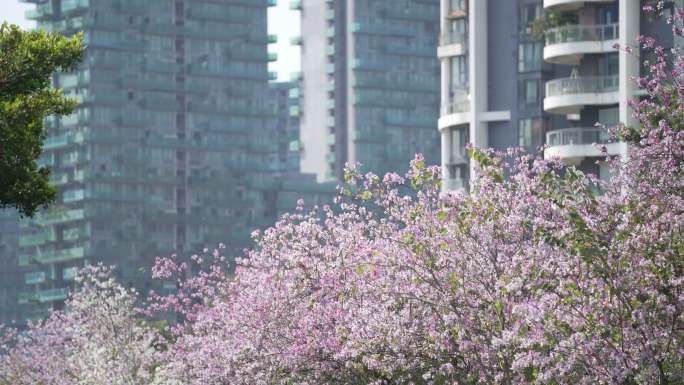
282, 22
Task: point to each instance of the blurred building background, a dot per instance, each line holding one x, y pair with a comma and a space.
369, 84
532, 72
285, 126
182, 138
166, 152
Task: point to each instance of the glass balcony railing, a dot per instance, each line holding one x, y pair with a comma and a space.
457, 105
453, 37
453, 184
59, 178
373, 99
582, 85
47, 218
369, 135
56, 142
46, 235
577, 135
74, 5
580, 33
411, 49
368, 27
35, 277
25, 298
69, 273
412, 120
393, 81
220, 14
41, 11
456, 7
49, 257
52, 295
76, 233
413, 13
369, 64
79, 79
61, 141
296, 40
70, 196
61, 255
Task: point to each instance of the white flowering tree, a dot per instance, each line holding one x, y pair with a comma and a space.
97, 340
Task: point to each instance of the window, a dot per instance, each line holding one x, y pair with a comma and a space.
458, 138
609, 116
459, 26
609, 64
530, 133
457, 5
530, 56
528, 14
458, 72
608, 14
529, 94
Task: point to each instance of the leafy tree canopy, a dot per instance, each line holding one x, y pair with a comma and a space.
27, 62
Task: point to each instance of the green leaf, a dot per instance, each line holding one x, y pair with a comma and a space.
498, 305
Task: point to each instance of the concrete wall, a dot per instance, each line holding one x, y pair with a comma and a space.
313, 121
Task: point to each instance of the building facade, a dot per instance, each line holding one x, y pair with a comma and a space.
285, 129
11, 274
549, 82
369, 84
167, 151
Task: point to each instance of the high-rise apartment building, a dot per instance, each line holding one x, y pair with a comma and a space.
369, 85
285, 130
529, 72
167, 150
11, 274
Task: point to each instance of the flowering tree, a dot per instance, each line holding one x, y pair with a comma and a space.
96, 341
533, 278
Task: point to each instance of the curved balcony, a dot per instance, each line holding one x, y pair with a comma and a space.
565, 5
570, 95
452, 44
454, 113
569, 43
574, 144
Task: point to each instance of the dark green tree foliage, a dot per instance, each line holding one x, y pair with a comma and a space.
27, 61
